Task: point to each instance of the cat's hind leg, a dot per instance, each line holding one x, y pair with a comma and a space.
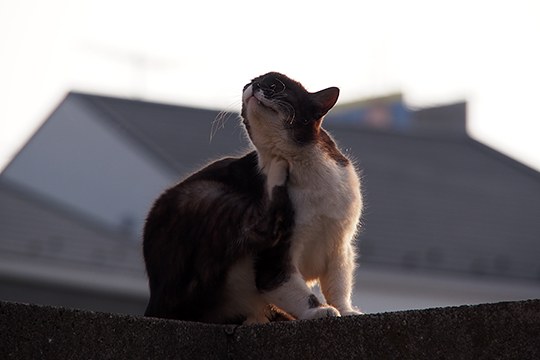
281, 284
295, 297
241, 298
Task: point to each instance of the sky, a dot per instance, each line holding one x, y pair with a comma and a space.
201, 53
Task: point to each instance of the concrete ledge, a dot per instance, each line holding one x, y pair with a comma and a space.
508, 330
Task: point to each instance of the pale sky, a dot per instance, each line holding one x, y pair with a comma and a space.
201, 53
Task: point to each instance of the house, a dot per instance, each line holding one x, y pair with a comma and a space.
447, 221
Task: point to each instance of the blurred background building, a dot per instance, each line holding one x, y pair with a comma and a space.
448, 220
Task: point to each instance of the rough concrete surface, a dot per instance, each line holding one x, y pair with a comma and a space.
508, 330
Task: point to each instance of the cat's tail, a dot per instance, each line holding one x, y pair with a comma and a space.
276, 314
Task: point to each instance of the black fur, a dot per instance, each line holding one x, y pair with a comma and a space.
313, 302
273, 265
193, 236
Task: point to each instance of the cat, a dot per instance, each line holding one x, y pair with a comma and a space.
244, 239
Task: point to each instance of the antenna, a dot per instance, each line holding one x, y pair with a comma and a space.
141, 62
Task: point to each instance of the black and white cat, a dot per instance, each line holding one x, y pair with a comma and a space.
244, 237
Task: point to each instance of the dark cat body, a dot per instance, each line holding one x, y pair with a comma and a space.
237, 240
191, 251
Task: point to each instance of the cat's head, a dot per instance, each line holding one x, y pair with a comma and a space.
277, 110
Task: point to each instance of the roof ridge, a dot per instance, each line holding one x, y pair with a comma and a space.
87, 96
110, 116
35, 133
502, 157
100, 104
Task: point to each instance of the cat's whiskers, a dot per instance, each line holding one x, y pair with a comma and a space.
222, 118
288, 109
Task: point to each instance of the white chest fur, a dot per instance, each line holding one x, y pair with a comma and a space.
323, 189
327, 201
327, 204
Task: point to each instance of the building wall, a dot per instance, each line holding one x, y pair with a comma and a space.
117, 187
377, 289
380, 289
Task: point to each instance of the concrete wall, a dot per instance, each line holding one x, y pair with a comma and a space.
492, 331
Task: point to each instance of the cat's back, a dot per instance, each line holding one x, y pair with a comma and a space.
207, 190
194, 233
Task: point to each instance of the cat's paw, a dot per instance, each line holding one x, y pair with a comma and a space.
253, 319
325, 311
277, 174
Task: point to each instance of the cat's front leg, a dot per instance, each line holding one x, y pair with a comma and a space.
337, 282
276, 223
277, 175
277, 216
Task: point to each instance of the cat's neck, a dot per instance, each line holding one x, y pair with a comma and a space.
306, 159
322, 152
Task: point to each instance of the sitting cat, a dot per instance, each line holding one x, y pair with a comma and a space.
244, 236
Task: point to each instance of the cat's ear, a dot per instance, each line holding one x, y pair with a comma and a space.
325, 99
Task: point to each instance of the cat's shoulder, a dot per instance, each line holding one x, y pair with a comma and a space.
226, 167
237, 172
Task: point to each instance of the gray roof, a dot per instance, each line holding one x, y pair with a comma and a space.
446, 203
36, 230
445, 120
180, 137
435, 202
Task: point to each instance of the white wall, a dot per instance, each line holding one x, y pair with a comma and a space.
80, 161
